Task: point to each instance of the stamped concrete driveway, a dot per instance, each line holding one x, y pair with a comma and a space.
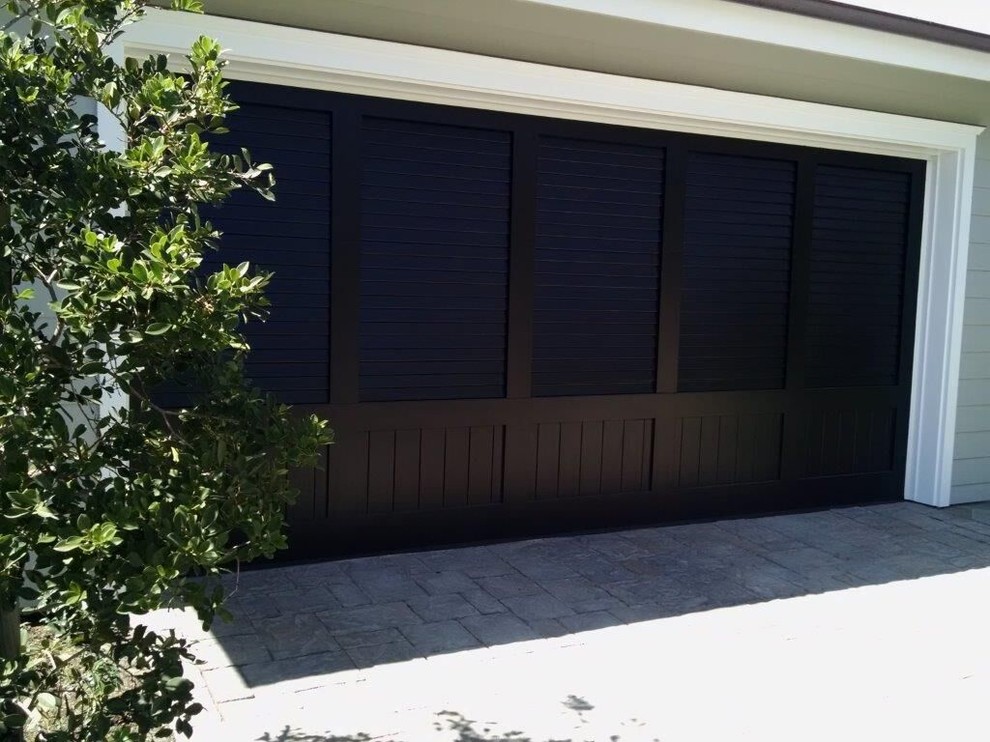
855, 624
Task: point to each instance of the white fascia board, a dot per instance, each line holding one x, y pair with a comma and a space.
313, 59
788, 29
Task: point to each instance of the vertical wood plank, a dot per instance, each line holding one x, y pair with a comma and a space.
351, 461
303, 480
432, 447
864, 441
381, 471
407, 459
646, 462
771, 437
547, 460
883, 438
745, 464
831, 435
633, 442
321, 492
521, 443
591, 457
611, 456
498, 465
728, 439
569, 471
481, 446
456, 467
708, 457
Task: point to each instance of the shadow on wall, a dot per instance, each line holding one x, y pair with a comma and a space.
454, 723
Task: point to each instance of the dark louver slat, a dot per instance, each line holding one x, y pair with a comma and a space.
434, 260
858, 254
598, 227
290, 237
738, 223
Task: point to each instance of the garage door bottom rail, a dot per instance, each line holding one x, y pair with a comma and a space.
351, 534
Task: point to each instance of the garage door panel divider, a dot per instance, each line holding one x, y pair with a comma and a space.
511, 256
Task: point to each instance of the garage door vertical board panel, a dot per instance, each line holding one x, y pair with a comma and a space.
569, 467
592, 440
433, 452
434, 260
729, 449
849, 441
408, 453
520, 462
598, 227
858, 260
738, 223
381, 471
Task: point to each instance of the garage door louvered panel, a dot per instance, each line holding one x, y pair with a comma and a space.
738, 225
597, 255
858, 256
290, 237
434, 259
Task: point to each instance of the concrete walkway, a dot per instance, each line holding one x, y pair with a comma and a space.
852, 624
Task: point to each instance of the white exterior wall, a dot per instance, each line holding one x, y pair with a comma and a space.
971, 465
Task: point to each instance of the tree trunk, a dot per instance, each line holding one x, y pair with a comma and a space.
10, 633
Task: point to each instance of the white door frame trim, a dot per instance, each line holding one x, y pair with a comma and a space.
312, 59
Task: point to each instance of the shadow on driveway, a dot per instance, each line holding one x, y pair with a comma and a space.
302, 626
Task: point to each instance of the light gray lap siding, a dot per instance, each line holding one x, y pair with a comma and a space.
971, 470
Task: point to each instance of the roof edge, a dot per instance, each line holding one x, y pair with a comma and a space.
878, 20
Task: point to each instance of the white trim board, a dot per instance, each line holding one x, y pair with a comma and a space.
311, 59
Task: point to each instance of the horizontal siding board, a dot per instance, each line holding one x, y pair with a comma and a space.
974, 445
434, 240
597, 267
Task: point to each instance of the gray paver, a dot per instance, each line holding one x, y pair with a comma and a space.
443, 636
348, 594
294, 635
231, 651
534, 607
589, 621
383, 654
442, 607
445, 582
580, 594
313, 665
507, 586
303, 600
548, 628
387, 585
483, 602
368, 638
499, 628
365, 618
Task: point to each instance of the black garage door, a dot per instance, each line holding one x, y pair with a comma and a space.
522, 325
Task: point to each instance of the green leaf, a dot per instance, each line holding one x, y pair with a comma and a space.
45, 702
69, 544
157, 328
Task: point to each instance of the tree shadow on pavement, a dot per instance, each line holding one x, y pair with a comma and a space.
459, 727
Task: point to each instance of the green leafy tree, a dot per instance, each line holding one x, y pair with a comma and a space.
106, 510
